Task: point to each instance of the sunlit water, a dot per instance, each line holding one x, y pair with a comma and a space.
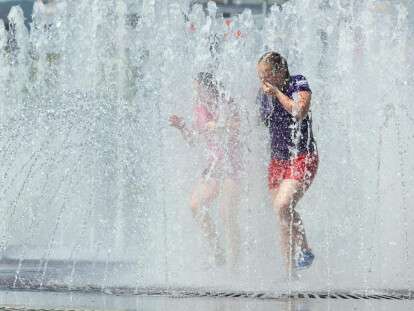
91, 170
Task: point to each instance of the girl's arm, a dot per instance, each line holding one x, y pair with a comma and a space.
298, 108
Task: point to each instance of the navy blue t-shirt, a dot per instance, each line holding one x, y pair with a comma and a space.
289, 137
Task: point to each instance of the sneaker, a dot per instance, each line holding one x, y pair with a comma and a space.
305, 260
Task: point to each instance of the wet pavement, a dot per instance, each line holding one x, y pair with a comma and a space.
55, 286
53, 301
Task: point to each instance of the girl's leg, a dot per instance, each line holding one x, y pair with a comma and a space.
229, 211
293, 235
204, 193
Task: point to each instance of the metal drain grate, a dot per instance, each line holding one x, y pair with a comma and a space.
294, 296
197, 292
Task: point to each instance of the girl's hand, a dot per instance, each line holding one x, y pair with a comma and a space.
269, 88
211, 125
177, 122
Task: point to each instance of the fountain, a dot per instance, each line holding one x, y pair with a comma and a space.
95, 183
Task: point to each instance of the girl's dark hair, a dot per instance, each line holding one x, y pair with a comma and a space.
276, 61
207, 80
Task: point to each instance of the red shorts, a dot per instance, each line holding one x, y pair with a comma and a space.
302, 168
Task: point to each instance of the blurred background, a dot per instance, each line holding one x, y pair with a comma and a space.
225, 7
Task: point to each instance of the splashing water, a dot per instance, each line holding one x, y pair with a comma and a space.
92, 172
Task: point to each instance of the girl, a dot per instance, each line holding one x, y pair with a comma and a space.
284, 108
216, 122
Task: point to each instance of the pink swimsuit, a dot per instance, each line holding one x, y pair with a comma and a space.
223, 157
202, 116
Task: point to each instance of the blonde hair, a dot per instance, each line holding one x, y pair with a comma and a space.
277, 62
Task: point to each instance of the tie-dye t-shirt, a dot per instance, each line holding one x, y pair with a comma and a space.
289, 137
